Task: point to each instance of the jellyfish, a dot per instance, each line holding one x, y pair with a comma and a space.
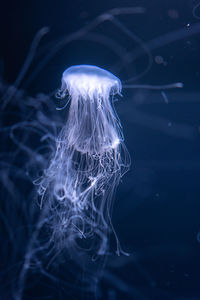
90, 158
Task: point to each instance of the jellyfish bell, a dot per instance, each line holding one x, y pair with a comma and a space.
93, 126
89, 81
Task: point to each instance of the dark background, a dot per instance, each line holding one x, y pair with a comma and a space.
157, 207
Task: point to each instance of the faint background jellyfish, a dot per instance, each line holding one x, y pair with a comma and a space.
89, 160
156, 211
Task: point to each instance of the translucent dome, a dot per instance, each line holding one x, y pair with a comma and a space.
89, 81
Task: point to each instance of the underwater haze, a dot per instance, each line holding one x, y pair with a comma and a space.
100, 150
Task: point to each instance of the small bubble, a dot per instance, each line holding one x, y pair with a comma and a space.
159, 59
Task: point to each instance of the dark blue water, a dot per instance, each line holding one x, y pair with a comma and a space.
156, 211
